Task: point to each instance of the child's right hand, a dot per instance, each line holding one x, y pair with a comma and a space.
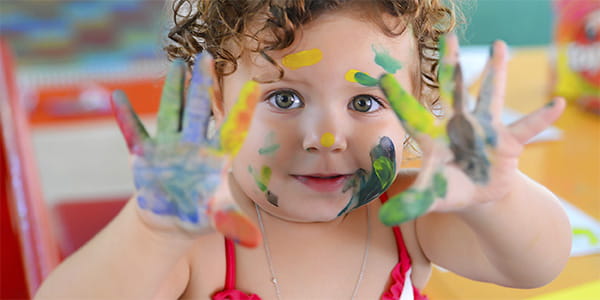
181, 175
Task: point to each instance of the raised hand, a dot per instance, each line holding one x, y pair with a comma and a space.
470, 157
181, 174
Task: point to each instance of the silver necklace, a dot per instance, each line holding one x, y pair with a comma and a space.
272, 269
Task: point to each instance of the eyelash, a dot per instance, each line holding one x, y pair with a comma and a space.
373, 99
298, 103
272, 100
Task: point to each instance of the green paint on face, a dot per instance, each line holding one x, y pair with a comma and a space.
265, 175
384, 170
384, 60
268, 150
262, 179
368, 186
270, 146
365, 79
440, 185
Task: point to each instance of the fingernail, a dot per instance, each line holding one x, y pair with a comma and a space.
492, 46
551, 103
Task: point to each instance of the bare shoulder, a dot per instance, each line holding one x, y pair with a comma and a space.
206, 267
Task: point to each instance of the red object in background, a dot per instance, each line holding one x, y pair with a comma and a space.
143, 94
25, 206
78, 221
30, 248
12, 276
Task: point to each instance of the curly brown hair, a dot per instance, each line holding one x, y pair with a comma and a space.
213, 25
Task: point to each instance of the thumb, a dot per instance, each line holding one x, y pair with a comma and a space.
532, 124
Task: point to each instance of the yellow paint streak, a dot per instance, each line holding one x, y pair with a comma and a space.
302, 59
350, 75
327, 139
235, 127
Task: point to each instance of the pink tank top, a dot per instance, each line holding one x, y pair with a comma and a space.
400, 289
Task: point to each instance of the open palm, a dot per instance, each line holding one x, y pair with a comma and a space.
469, 157
180, 174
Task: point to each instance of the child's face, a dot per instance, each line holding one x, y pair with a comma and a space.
314, 128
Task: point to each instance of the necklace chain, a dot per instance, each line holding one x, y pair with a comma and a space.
272, 269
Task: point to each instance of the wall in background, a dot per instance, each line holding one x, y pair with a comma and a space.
518, 22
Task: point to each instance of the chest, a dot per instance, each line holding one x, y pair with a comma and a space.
303, 269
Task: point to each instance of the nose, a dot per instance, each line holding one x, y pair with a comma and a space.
325, 135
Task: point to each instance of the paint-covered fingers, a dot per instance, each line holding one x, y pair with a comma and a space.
131, 127
368, 186
491, 94
171, 102
196, 115
415, 118
228, 218
430, 185
532, 124
233, 132
467, 136
448, 49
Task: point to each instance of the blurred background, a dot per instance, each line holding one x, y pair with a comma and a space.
64, 164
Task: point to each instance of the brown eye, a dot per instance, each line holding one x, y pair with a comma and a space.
364, 103
285, 99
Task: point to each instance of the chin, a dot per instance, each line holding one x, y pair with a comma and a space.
308, 212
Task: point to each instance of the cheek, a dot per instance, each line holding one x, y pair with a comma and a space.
367, 137
264, 151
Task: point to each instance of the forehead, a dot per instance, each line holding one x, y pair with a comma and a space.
334, 43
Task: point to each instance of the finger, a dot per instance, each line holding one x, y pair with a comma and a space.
484, 99
459, 99
529, 126
196, 114
431, 184
171, 102
483, 111
415, 118
367, 187
466, 142
448, 61
495, 89
131, 127
233, 132
228, 217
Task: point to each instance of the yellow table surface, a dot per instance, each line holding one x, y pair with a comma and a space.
570, 167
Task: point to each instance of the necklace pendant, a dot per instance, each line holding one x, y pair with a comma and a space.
274, 280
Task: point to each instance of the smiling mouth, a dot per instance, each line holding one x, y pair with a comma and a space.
324, 183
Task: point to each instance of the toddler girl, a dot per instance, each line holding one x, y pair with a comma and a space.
314, 101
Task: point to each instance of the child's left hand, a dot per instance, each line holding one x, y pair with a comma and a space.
470, 157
